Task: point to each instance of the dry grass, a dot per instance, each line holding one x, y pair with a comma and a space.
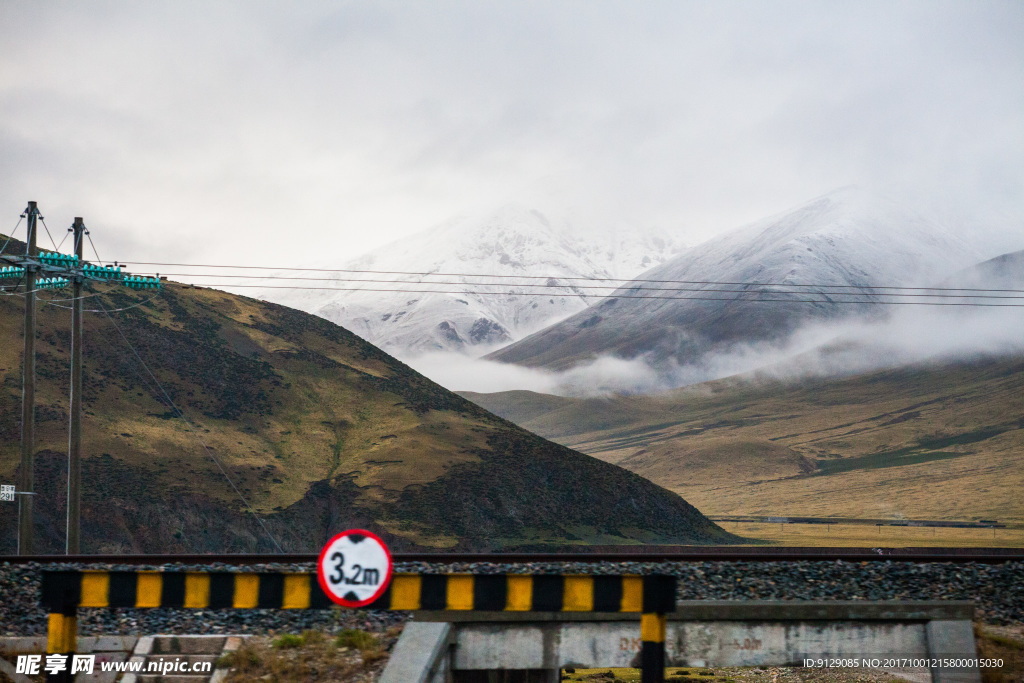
939, 442
870, 536
754, 674
1005, 644
352, 656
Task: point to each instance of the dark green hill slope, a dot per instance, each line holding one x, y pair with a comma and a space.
318, 429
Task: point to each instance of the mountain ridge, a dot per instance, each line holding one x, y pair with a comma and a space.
511, 241
318, 429
847, 238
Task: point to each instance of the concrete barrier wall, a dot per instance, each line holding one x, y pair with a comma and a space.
733, 643
722, 643
707, 633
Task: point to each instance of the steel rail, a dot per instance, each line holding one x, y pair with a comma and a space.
639, 554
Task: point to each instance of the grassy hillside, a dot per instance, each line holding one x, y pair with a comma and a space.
320, 430
932, 442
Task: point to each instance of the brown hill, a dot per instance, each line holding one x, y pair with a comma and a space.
318, 429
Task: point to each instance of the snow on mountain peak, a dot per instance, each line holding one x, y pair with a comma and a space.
458, 255
846, 239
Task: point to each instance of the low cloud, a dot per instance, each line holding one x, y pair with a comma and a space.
910, 336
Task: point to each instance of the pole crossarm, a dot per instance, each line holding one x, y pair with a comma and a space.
63, 266
62, 590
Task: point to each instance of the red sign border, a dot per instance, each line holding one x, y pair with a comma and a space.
321, 579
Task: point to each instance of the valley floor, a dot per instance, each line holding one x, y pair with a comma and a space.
937, 442
870, 536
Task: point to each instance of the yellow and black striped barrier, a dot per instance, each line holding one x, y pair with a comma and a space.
63, 592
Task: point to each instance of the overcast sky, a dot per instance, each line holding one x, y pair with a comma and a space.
284, 132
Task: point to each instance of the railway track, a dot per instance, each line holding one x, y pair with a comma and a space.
596, 554
989, 577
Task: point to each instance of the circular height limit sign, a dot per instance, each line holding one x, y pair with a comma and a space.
354, 568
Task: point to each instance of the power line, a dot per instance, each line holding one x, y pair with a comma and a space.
84, 296
97, 310
745, 295
630, 294
188, 425
550, 277
52, 241
11, 235
98, 259
619, 296
613, 287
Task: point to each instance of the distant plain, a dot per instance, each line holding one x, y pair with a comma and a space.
870, 536
939, 441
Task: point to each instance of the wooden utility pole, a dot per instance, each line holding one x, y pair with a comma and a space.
74, 530
26, 478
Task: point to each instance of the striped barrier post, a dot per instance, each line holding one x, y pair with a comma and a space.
651, 596
62, 630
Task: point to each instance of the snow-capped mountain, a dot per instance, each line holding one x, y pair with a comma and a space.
1005, 271
458, 255
845, 238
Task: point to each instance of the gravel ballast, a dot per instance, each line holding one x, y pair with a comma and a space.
996, 589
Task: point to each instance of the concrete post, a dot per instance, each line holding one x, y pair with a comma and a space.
420, 655
949, 639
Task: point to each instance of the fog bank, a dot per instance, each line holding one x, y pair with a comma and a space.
908, 336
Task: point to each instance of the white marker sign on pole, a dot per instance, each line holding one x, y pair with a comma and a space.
6, 493
355, 568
